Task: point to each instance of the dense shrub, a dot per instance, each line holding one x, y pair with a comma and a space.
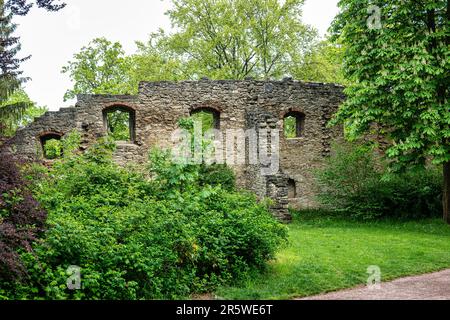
21, 217
53, 149
134, 237
356, 182
217, 174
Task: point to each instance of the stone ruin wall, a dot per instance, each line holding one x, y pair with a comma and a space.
240, 104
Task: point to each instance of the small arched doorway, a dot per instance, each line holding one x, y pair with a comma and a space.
292, 189
51, 145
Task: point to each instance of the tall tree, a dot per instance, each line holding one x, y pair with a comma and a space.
322, 64
155, 60
99, 68
12, 123
397, 60
218, 39
234, 39
11, 108
22, 7
10, 76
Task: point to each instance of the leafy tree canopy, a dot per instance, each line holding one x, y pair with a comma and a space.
215, 39
323, 63
22, 7
14, 106
399, 75
99, 68
10, 121
237, 39
155, 60
397, 61
10, 75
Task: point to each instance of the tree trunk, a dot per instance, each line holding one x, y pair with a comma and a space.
446, 193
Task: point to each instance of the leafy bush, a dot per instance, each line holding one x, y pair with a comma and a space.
53, 149
68, 145
356, 182
21, 218
136, 238
217, 174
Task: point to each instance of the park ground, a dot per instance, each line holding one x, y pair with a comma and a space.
328, 253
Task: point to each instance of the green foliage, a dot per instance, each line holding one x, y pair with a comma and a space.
102, 151
323, 63
205, 119
235, 39
66, 147
13, 120
11, 109
355, 182
399, 76
33, 112
199, 147
225, 40
290, 127
135, 238
119, 125
99, 68
71, 143
15, 107
53, 149
155, 60
217, 174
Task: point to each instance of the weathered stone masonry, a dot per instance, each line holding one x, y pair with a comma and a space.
239, 105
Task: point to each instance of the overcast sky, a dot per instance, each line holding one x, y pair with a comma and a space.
53, 38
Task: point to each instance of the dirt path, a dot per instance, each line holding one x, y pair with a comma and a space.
432, 286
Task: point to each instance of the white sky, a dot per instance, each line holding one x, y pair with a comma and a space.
53, 38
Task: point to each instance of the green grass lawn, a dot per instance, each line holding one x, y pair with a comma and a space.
326, 254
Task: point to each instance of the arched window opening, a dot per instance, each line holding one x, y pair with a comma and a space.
51, 145
292, 189
204, 120
294, 123
119, 122
209, 118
